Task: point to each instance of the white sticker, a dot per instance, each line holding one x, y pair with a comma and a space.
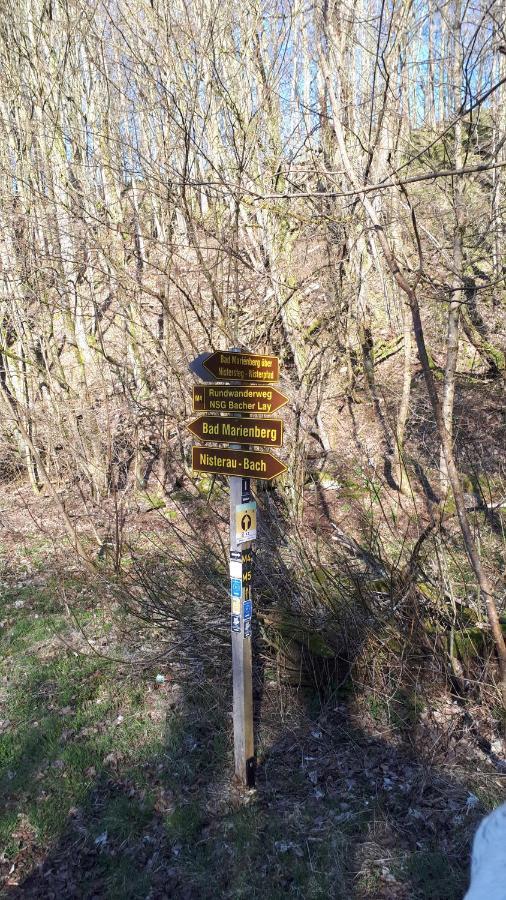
235, 569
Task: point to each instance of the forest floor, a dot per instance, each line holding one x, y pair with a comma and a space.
116, 786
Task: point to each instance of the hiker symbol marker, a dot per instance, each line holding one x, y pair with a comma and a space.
246, 522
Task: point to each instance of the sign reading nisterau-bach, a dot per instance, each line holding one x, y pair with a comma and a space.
244, 463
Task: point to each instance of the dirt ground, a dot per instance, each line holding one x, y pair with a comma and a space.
116, 783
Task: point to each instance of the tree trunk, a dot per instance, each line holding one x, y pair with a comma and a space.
410, 292
457, 296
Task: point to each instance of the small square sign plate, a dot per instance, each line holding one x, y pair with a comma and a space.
245, 522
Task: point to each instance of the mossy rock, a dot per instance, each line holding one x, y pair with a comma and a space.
318, 645
379, 585
429, 591
470, 643
154, 501
287, 626
182, 496
382, 350
206, 486
326, 480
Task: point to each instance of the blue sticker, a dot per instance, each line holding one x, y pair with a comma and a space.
247, 628
236, 623
247, 609
236, 587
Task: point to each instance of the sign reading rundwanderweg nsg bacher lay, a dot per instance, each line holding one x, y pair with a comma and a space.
229, 399
238, 366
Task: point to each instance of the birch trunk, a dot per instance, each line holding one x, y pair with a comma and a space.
411, 295
457, 294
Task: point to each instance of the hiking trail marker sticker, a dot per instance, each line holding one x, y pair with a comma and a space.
255, 396
246, 522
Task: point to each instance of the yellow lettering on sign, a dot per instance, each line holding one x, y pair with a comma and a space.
254, 465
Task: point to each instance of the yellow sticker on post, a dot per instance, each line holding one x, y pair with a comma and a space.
245, 522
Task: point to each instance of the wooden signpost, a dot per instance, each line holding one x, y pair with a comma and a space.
240, 465
243, 463
222, 398
237, 366
265, 432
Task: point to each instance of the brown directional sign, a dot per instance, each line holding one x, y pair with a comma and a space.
244, 463
227, 398
233, 366
263, 432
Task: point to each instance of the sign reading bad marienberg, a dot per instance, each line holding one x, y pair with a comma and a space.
243, 463
227, 366
265, 432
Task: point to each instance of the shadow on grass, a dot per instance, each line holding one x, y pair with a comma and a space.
330, 802
128, 809
114, 790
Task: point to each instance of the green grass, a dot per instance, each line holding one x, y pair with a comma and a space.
185, 823
63, 709
433, 876
256, 853
92, 771
126, 817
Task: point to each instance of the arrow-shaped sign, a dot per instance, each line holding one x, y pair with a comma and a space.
244, 463
238, 366
227, 398
263, 432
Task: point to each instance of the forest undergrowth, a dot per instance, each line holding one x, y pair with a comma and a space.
378, 726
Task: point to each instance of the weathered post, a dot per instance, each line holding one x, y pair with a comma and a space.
240, 464
240, 619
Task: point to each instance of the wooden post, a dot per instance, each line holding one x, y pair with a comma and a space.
240, 568
252, 375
